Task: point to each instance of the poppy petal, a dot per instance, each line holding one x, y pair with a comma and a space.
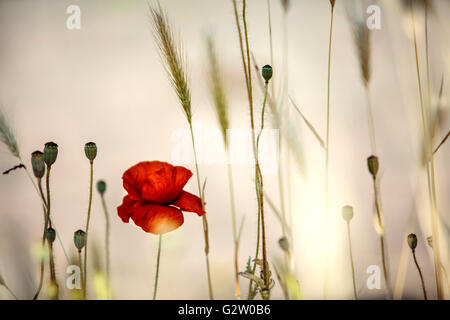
155, 181
126, 208
156, 219
189, 202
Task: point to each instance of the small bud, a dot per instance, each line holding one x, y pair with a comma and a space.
412, 241
50, 153
90, 149
38, 164
284, 244
79, 238
373, 165
50, 234
430, 241
101, 187
347, 213
267, 72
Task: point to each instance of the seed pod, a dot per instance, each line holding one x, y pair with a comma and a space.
412, 241
347, 213
79, 238
430, 241
373, 165
90, 149
38, 164
284, 244
101, 187
50, 234
50, 153
267, 72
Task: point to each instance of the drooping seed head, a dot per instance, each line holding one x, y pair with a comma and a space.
79, 238
284, 244
412, 241
267, 72
50, 153
101, 187
90, 149
50, 234
347, 213
373, 165
38, 164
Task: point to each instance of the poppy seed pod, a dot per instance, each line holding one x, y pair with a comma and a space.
90, 149
79, 238
373, 165
267, 72
412, 241
38, 164
101, 187
284, 244
347, 213
50, 234
50, 153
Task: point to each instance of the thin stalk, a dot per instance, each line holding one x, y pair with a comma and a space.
80, 264
10, 292
47, 224
383, 253
107, 250
351, 261
53, 280
420, 274
430, 169
373, 145
157, 267
327, 218
87, 229
204, 219
271, 44
41, 272
234, 227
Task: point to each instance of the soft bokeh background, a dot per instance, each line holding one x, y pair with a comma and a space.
105, 83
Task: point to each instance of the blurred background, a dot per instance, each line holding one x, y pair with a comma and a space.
105, 83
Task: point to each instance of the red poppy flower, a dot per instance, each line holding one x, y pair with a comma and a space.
156, 197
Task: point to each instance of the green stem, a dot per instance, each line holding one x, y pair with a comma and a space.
383, 253
327, 218
420, 274
351, 261
87, 229
80, 264
10, 292
155, 288
430, 169
107, 250
53, 280
204, 219
41, 272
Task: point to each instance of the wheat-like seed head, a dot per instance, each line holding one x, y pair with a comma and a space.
7, 136
217, 89
172, 54
361, 37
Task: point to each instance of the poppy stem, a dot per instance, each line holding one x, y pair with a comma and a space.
87, 230
420, 274
157, 267
355, 293
107, 255
204, 219
80, 264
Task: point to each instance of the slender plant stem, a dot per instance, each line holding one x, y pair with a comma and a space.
383, 253
155, 288
80, 264
204, 219
327, 157
234, 227
355, 293
430, 169
420, 274
10, 292
271, 45
53, 281
107, 235
87, 229
48, 224
41, 272
373, 144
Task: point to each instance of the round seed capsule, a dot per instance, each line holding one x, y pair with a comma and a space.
412, 241
50, 153
38, 164
90, 149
